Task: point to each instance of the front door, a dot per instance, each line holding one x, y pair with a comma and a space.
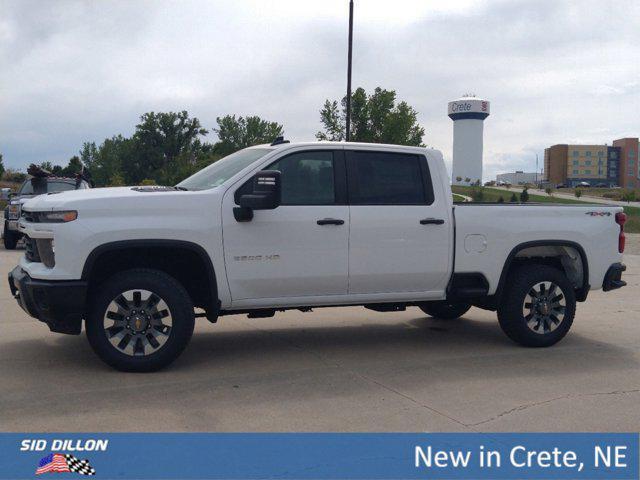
300, 248
400, 233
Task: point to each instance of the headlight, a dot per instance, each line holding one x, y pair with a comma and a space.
57, 217
14, 211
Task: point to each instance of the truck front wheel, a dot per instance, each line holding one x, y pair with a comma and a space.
538, 306
445, 310
10, 238
140, 320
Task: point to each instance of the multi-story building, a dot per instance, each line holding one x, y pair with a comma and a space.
587, 163
555, 164
615, 165
518, 177
629, 173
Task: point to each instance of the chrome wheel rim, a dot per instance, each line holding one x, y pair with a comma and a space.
544, 307
138, 322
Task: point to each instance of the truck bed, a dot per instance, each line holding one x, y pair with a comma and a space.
487, 233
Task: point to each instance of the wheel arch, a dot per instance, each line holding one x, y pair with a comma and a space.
195, 269
550, 252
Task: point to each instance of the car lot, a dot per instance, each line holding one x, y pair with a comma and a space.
346, 369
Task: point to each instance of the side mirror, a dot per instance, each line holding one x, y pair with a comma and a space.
265, 195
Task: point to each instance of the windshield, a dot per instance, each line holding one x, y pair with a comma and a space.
219, 172
51, 187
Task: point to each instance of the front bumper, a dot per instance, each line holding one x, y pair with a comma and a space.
59, 304
613, 277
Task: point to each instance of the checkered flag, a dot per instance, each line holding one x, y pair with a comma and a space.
79, 466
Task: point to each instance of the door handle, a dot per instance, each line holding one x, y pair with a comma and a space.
330, 221
431, 221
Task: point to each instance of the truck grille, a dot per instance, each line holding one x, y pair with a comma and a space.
29, 217
31, 250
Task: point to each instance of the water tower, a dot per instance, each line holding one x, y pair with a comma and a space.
468, 114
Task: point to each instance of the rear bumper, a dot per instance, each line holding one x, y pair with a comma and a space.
613, 277
59, 304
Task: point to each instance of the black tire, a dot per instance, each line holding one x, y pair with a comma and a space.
530, 321
10, 238
445, 310
174, 338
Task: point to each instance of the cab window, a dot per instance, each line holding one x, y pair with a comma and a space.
387, 178
307, 178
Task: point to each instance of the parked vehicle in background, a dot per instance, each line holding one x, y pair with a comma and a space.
299, 226
41, 182
583, 184
561, 185
4, 193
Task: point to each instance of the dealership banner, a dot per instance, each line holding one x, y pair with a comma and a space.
320, 455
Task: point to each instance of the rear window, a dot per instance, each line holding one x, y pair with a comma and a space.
51, 187
382, 178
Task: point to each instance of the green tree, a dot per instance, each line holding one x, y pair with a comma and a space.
331, 119
524, 195
1, 167
501, 199
109, 158
375, 118
577, 193
14, 176
116, 180
48, 166
549, 191
89, 155
513, 198
74, 166
160, 140
235, 133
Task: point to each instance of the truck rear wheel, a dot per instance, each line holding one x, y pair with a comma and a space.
445, 310
10, 238
538, 306
140, 320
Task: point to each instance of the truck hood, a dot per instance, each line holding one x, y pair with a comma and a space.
104, 198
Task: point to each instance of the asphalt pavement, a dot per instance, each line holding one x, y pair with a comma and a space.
347, 369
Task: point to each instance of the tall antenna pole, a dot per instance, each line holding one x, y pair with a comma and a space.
537, 170
348, 126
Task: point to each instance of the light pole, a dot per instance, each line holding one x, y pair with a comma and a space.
348, 126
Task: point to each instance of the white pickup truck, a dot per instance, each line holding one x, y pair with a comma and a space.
296, 226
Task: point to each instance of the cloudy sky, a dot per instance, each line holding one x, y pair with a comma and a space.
555, 71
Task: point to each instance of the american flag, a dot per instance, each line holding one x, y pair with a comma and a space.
54, 462
61, 463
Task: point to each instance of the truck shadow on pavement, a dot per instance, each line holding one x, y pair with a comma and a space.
465, 345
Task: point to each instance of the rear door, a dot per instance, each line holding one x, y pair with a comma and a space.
300, 248
400, 237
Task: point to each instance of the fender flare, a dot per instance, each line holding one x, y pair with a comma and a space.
581, 293
164, 243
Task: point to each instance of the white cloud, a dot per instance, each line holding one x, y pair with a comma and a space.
555, 71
